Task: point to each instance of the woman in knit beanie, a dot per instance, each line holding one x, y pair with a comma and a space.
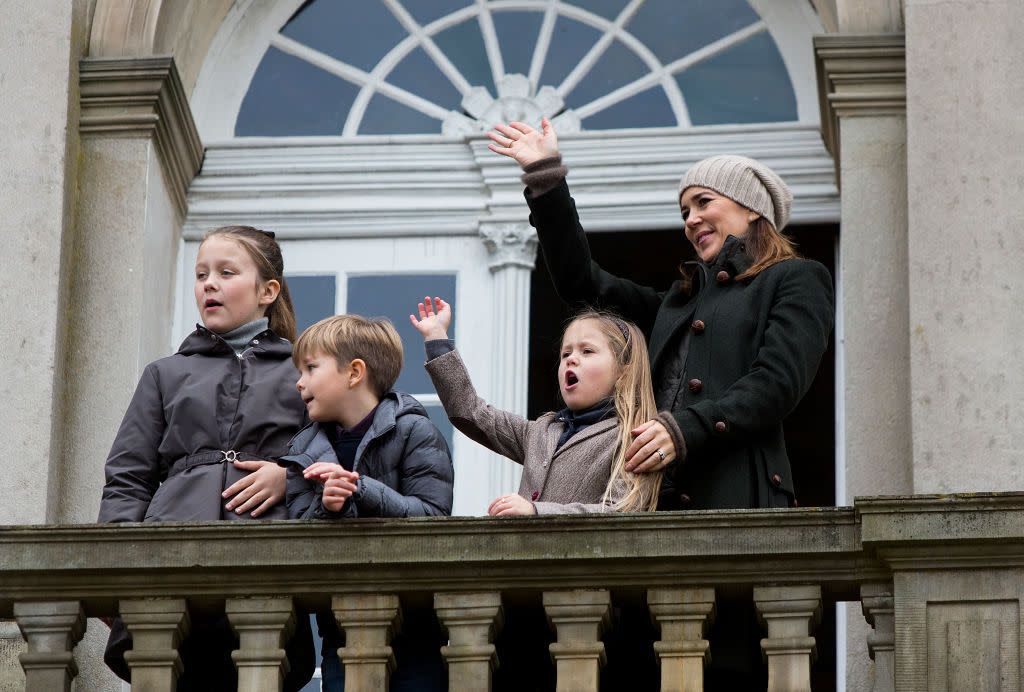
732, 351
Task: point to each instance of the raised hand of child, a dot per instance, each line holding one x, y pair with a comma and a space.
511, 506
521, 142
338, 488
435, 318
258, 491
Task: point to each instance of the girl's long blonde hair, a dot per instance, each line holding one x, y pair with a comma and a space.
634, 405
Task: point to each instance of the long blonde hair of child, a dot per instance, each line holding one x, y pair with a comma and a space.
634, 405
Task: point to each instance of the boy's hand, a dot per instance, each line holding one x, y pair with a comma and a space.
259, 490
433, 324
521, 142
338, 488
511, 506
323, 471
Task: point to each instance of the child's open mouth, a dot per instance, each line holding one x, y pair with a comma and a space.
570, 380
211, 303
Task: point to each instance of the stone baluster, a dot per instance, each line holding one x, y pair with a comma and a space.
157, 626
879, 610
472, 621
683, 616
789, 612
51, 629
369, 621
263, 626
579, 618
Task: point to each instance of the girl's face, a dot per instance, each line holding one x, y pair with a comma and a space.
228, 289
586, 368
710, 218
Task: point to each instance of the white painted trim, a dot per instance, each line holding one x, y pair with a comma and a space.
540, 49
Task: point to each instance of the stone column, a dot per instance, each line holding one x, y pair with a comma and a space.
140, 151
51, 630
966, 202
263, 626
879, 611
790, 613
862, 82
472, 621
579, 618
157, 626
683, 616
369, 621
512, 248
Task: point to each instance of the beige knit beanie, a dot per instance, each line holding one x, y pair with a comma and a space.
744, 181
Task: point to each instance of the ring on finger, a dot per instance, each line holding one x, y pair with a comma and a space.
660, 454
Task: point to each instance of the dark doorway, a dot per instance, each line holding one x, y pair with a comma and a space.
652, 258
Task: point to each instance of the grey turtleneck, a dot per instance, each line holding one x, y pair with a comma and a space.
239, 337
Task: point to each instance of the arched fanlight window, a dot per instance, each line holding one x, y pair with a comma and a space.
378, 67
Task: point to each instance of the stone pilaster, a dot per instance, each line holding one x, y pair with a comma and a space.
263, 626
472, 621
369, 621
157, 626
51, 630
512, 253
790, 612
683, 616
579, 618
879, 611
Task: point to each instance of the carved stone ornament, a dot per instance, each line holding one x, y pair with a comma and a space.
514, 102
513, 243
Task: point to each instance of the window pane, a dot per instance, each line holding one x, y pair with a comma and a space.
517, 36
440, 419
313, 298
675, 28
426, 11
570, 41
358, 32
288, 96
609, 9
464, 46
384, 116
617, 67
395, 296
746, 84
647, 109
419, 74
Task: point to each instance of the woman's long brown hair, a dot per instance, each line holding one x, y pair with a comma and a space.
765, 245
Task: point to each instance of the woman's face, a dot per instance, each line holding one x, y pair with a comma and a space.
710, 218
228, 289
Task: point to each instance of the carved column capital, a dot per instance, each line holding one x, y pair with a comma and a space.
859, 75
512, 243
143, 98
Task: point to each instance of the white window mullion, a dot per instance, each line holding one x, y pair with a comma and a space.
540, 51
440, 59
716, 47
597, 50
491, 43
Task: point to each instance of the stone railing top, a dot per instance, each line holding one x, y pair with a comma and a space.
837, 548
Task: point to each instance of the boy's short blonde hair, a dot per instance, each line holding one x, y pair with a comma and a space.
374, 340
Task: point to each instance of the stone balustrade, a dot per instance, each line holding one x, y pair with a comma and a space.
940, 579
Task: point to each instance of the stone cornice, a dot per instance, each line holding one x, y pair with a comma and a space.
143, 97
859, 75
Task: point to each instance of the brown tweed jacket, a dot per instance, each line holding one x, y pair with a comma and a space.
570, 480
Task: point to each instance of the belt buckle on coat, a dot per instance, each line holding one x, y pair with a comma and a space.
229, 456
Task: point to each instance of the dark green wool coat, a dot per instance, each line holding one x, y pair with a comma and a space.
753, 351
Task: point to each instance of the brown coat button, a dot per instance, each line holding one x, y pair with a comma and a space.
720, 426
695, 385
722, 277
776, 480
697, 326
685, 499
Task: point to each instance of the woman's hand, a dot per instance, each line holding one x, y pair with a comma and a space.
261, 489
511, 506
433, 325
521, 142
652, 448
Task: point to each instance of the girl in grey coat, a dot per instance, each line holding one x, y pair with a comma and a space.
197, 438
573, 460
